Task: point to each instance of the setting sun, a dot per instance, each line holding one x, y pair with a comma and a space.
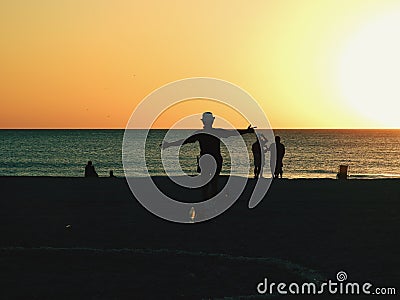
370, 70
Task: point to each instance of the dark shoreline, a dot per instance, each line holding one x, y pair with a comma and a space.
322, 225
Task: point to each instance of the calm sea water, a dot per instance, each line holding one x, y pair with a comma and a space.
309, 153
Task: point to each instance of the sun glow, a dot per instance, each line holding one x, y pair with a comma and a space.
72, 64
369, 71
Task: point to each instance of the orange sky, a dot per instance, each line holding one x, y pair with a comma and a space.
87, 64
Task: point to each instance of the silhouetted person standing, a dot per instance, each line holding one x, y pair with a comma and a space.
278, 149
210, 143
90, 171
112, 174
258, 149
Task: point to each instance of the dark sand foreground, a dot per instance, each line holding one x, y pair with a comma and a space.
77, 238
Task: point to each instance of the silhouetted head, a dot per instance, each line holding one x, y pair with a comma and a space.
208, 119
277, 139
89, 163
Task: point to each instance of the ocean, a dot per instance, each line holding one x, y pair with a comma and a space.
313, 153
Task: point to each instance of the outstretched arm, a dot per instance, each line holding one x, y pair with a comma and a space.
264, 141
166, 144
232, 132
249, 129
263, 138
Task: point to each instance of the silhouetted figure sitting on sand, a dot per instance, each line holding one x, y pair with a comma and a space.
277, 150
210, 143
90, 171
258, 149
112, 174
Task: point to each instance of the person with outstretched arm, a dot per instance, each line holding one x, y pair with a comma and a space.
209, 139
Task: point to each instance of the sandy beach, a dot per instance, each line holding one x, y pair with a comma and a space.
77, 238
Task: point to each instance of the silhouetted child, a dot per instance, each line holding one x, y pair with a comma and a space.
90, 171
258, 149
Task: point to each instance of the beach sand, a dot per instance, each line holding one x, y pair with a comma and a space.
78, 238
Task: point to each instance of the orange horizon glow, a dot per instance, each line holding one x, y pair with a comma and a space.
310, 64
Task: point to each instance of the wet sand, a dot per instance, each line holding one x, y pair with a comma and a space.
77, 238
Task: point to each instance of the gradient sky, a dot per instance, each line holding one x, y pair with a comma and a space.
309, 64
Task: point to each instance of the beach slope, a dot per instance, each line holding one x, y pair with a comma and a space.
90, 239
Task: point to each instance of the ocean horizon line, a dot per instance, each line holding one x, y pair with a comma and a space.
355, 177
311, 153
366, 129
